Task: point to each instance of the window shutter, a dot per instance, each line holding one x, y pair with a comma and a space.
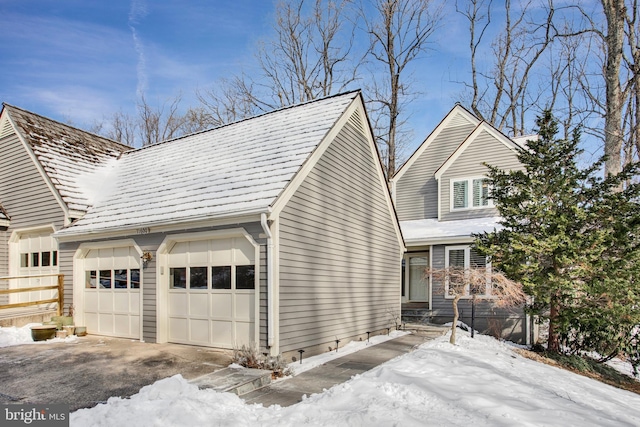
480, 192
456, 258
477, 260
459, 194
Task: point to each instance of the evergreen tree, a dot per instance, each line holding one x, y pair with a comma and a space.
572, 239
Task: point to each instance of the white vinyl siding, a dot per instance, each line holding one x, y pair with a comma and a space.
340, 258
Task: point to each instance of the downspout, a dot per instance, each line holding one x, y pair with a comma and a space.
270, 303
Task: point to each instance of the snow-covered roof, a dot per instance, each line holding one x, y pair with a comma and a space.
66, 154
235, 169
431, 231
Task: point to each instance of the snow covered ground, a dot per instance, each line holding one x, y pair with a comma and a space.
478, 382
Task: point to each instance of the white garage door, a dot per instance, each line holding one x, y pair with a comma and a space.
112, 292
36, 255
212, 293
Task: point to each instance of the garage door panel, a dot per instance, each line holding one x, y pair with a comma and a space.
244, 330
134, 302
198, 304
90, 301
199, 331
105, 301
221, 332
105, 322
178, 329
221, 306
178, 304
245, 306
221, 252
120, 302
91, 319
121, 323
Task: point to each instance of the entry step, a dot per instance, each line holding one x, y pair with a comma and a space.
234, 380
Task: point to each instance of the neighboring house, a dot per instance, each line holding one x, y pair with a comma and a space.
277, 231
41, 190
441, 197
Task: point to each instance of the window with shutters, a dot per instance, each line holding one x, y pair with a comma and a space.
470, 193
461, 259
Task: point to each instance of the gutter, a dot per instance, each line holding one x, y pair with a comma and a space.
270, 302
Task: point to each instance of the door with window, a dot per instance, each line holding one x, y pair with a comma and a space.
36, 255
416, 276
212, 292
112, 291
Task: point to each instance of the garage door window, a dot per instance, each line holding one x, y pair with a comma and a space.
178, 278
113, 279
245, 277
220, 277
39, 259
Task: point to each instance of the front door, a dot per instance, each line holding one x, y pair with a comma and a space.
417, 276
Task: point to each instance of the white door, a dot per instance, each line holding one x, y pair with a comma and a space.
35, 254
211, 292
417, 278
112, 292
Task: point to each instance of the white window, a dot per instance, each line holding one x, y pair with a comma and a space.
470, 193
459, 261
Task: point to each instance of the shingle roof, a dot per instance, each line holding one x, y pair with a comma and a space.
231, 170
67, 154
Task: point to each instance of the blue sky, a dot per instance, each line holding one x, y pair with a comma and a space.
81, 61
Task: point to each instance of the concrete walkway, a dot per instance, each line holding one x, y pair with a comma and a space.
316, 380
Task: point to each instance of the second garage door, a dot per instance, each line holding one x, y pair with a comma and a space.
212, 292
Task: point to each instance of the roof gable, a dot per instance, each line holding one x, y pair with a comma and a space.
65, 155
482, 127
232, 170
458, 116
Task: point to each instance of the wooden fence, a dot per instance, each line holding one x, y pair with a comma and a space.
59, 300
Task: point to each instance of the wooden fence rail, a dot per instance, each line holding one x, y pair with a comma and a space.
59, 300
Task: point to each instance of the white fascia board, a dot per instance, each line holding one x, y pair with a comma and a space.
36, 162
455, 111
68, 235
440, 241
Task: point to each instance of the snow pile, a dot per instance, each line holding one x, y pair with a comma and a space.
479, 382
10, 336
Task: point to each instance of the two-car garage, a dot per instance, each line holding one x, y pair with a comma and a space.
206, 287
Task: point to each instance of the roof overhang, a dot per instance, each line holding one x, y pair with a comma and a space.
70, 234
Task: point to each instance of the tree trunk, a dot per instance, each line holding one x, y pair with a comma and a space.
615, 12
553, 343
452, 340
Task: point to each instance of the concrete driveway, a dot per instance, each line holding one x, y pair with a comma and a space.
89, 371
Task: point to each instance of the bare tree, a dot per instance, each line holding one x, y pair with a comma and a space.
459, 282
122, 127
502, 95
400, 31
309, 58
